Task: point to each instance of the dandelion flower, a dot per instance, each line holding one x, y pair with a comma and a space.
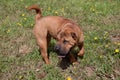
8, 30
118, 44
95, 38
25, 18
93, 9
56, 12
106, 46
23, 15
106, 32
31, 24
116, 50
101, 56
19, 24
20, 77
69, 78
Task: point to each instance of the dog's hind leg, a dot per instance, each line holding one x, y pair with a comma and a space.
42, 43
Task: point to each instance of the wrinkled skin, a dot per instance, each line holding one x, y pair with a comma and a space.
66, 40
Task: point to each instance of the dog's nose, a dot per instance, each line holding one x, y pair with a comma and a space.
57, 47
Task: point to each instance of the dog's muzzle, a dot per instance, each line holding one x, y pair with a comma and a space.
57, 48
60, 52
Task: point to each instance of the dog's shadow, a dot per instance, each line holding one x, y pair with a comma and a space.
65, 62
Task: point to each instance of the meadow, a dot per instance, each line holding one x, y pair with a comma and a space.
19, 54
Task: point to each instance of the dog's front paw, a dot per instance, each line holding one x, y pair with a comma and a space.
81, 53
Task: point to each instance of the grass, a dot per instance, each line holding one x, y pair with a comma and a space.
19, 55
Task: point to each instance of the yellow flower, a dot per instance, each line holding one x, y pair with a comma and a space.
118, 44
31, 24
56, 12
69, 78
92, 9
106, 33
106, 45
23, 15
95, 38
20, 77
8, 30
19, 24
101, 56
104, 37
25, 18
116, 50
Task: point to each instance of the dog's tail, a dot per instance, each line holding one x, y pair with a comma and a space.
37, 9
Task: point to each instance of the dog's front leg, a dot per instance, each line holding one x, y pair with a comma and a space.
72, 58
81, 47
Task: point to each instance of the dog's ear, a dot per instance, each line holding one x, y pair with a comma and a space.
73, 35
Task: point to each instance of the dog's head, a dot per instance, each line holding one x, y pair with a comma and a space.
66, 40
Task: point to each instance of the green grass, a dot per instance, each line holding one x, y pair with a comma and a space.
19, 55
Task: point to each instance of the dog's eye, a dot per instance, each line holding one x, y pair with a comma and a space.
65, 41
